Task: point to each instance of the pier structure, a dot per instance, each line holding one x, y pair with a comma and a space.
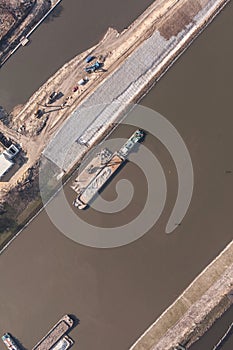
24, 41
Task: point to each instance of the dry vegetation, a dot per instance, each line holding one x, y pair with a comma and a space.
35, 123
17, 18
12, 12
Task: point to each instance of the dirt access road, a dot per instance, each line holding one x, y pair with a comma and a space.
33, 134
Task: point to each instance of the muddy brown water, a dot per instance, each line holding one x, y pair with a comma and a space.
82, 23
117, 293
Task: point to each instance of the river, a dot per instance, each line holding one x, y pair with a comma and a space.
78, 22
117, 293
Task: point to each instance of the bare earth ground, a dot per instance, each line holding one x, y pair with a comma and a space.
114, 47
33, 134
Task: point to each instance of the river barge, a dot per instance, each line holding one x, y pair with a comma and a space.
56, 335
9, 342
64, 344
100, 169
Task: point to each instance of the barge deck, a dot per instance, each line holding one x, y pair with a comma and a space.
101, 169
55, 334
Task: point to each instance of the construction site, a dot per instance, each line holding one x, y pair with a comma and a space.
120, 68
117, 71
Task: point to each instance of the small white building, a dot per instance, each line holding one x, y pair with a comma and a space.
6, 161
5, 164
11, 151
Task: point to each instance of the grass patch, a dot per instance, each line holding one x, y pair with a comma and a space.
10, 223
29, 212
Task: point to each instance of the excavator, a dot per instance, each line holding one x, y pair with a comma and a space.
96, 66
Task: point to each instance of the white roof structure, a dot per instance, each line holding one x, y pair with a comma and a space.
5, 164
11, 151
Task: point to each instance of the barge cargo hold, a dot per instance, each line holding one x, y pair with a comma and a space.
100, 170
92, 170
55, 334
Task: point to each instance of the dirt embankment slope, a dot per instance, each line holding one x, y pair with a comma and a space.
166, 18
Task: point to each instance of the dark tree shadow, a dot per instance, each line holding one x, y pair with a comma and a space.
54, 14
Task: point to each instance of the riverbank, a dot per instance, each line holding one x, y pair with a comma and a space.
128, 83
189, 317
12, 13
219, 336
11, 41
141, 280
131, 66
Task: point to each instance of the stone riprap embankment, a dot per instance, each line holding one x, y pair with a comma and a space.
133, 59
130, 81
195, 310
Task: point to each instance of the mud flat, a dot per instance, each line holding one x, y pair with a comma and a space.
208, 296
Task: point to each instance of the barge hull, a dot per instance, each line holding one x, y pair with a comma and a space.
55, 334
93, 177
103, 176
95, 165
